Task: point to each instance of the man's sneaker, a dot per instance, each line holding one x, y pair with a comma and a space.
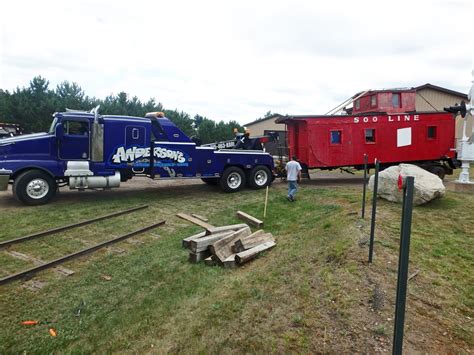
289, 198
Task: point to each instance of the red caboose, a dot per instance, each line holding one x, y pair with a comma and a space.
328, 142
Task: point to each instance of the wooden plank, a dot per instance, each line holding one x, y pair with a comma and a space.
198, 216
234, 227
195, 221
203, 243
185, 242
245, 256
229, 262
198, 257
250, 219
36, 261
209, 261
222, 248
238, 244
249, 243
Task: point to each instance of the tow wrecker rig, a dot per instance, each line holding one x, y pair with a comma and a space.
86, 150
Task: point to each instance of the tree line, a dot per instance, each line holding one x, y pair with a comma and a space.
31, 107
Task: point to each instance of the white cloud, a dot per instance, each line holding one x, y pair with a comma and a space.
237, 60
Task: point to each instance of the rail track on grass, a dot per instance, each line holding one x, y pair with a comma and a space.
46, 265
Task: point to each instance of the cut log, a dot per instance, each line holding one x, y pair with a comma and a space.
229, 262
250, 219
233, 227
249, 243
245, 256
209, 261
185, 242
198, 216
203, 243
198, 257
222, 248
196, 221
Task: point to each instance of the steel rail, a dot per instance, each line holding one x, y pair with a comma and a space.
36, 269
69, 226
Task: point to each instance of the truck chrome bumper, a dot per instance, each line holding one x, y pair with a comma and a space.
4, 178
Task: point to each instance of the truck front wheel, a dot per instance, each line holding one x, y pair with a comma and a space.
232, 180
34, 187
259, 177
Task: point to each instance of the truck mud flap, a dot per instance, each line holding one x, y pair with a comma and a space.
4, 179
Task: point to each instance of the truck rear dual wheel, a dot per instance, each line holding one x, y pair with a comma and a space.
259, 177
34, 187
233, 179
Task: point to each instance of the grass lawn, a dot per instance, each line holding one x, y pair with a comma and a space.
314, 292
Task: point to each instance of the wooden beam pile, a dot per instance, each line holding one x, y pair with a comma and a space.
227, 246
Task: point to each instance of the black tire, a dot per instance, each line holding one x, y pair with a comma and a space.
232, 180
211, 181
259, 177
34, 187
438, 170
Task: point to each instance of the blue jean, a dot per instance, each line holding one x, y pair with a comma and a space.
292, 188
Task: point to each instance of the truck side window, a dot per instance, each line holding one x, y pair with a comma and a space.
370, 135
76, 128
336, 137
431, 132
157, 132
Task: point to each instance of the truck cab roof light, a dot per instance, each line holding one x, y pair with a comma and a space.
155, 114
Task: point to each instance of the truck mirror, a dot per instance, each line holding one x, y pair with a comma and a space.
59, 130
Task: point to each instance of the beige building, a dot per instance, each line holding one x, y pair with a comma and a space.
435, 98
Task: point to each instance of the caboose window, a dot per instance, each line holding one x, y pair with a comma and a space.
396, 100
373, 100
336, 137
370, 135
431, 132
357, 104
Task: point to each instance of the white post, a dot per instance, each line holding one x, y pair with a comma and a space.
466, 146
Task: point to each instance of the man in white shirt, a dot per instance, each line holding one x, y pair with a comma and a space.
293, 176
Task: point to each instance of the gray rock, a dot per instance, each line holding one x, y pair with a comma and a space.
428, 186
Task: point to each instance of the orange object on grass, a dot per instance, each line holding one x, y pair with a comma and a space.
52, 332
30, 322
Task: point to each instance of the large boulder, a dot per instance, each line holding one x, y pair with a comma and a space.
428, 186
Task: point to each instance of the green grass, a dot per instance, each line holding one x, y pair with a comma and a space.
311, 293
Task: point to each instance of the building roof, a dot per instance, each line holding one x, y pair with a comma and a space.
439, 88
274, 115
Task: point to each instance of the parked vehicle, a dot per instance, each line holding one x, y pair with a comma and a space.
86, 150
330, 142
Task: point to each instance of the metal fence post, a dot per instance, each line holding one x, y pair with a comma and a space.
366, 158
403, 260
374, 210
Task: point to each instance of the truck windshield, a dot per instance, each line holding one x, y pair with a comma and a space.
53, 125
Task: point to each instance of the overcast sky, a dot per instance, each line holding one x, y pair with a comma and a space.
238, 59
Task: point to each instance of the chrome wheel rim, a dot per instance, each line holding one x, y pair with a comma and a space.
37, 189
261, 177
234, 180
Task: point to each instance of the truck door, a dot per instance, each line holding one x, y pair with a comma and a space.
135, 136
75, 143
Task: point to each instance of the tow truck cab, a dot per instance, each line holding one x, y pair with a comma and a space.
86, 150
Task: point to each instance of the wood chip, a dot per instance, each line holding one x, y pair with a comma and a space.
250, 219
106, 277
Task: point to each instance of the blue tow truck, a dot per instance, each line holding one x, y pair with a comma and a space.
86, 150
